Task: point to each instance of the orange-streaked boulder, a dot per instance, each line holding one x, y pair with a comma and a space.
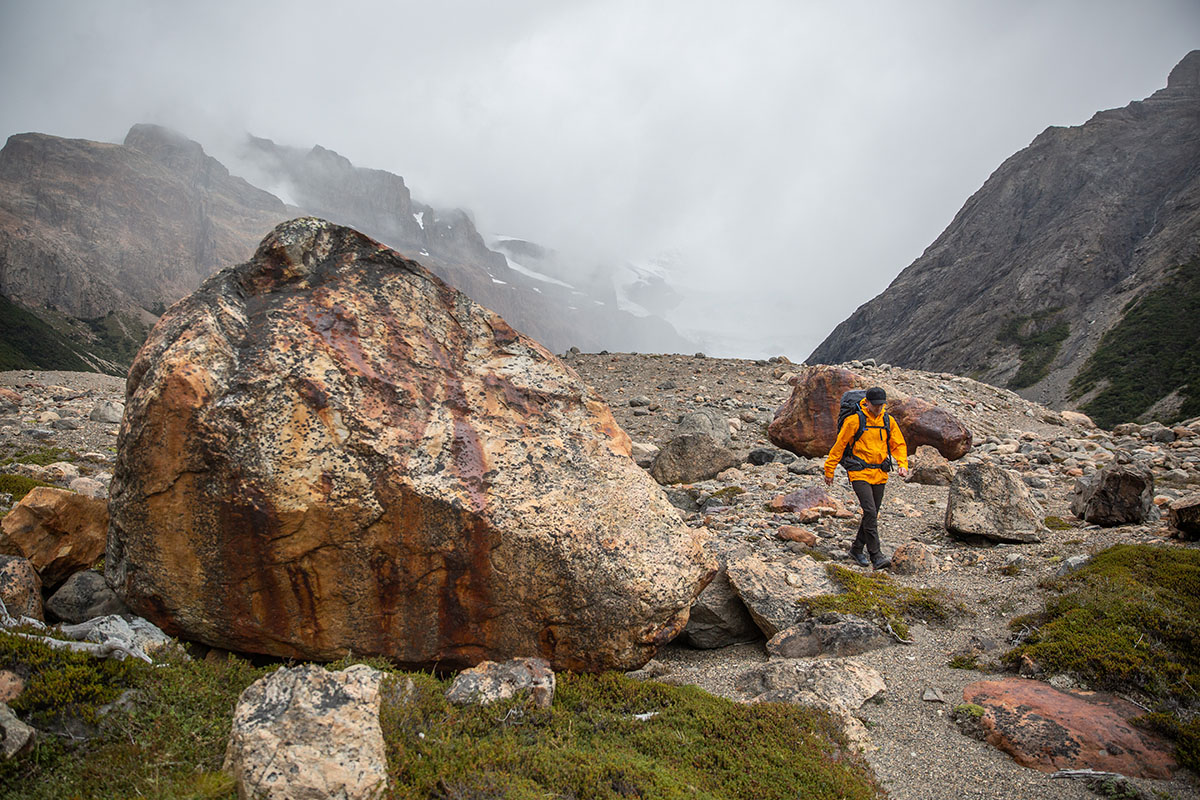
806, 423
327, 449
60, 532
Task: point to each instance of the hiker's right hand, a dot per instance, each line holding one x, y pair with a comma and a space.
828, 481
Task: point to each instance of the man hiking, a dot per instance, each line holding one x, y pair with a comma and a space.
867, 443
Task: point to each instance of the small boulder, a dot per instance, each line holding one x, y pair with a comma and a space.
928, 467
304, 732
61, 532
107, 411
84, 596
15, 736
1048, 730
135, 633
790, 533
1077, 419
20, 588
992, 503
810, 499
773, 591
914, 558
89, 487
691, 457
1184, 516
830, 634
491, 682
719, 618
840, 686
1119, 494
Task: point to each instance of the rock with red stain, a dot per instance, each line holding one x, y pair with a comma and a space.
1046, 729
809, 498
807, 423
327, 449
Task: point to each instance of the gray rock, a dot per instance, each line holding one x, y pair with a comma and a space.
304, 732
994, 504
830, 634
719, 618
107, 411
84, 596
490, 682
1072, 564
15, 736
1120, 494
773, 591
706, 421
691, 457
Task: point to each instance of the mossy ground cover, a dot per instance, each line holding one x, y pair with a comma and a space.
588, 745
1129, 621
1153, 351
878, 596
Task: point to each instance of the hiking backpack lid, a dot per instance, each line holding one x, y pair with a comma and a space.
850, 406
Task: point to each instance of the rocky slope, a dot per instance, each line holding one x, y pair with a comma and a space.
1044, 258
914, 748
97, 239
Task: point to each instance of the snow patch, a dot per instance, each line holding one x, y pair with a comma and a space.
537, 276
419, 216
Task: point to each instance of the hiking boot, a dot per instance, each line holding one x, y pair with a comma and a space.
880, 562
859, 557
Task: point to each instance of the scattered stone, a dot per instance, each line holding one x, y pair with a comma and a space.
107, 411
914, 558
20, 587
933, 695
89, 487
304, 732
830, 634
1072, 564
790, 533
326, 449
84, 596
1077, 419
992, 503
11, 686
1047, 729
811, 498
59, 531
15, 736
491, 682
1120, 494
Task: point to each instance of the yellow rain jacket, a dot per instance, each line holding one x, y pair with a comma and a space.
871, 447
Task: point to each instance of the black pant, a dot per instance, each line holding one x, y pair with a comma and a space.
870, 497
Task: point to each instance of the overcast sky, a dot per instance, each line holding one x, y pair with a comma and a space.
797, 155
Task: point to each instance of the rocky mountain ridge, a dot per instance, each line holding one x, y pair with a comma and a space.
97, 239
1046, 257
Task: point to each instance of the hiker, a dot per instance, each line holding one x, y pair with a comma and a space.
866, 436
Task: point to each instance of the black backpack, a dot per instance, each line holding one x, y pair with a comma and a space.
850, 405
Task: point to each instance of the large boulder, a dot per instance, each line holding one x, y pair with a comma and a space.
691, 457
327, 449
84, 596
1046, 729
807, 423
305, 733
992, 503
830, 634
1184, 516
60, 532
1119, 494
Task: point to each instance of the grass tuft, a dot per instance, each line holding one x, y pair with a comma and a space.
880, 597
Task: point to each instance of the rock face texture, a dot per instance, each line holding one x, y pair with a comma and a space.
992, 503
304, 733
60, 532
807, 423
1050, 730
328, 449
1065, 232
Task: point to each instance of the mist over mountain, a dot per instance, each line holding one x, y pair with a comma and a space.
1053, 253
97, 239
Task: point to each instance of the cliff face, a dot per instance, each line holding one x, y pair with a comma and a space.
112, 234
1044, 258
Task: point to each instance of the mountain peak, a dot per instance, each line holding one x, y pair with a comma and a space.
1186, 74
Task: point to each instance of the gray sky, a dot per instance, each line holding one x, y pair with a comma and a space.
797, 155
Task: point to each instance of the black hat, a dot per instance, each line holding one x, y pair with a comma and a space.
876, 396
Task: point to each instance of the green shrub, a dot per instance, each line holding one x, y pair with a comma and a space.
1153, 351
880, 597
18, 485
1128, 621
1038, 341
1057, 524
